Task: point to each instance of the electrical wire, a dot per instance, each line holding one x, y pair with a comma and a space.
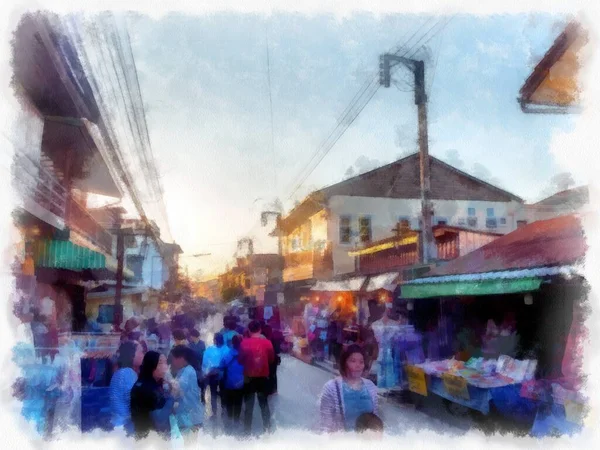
371, 89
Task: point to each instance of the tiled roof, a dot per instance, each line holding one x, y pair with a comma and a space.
554, 242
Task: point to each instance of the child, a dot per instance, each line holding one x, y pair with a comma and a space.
369, 422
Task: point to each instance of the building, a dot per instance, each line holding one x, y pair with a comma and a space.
59, 157
569, 201
252, 274
319, 233
553, 86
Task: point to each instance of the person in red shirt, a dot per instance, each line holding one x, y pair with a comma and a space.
256, 355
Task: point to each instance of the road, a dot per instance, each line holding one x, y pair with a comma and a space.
295, 406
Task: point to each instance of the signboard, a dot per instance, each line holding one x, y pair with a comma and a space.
456, 386
416, 380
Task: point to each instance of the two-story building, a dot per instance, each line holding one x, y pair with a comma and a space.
319, 233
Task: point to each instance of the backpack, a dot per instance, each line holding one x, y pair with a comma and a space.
234, 374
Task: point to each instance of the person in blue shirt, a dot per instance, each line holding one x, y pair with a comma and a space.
189, 410
129, 359
212, 370
229, 330
233, 382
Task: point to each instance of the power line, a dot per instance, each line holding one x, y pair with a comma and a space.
270, 101
371, 88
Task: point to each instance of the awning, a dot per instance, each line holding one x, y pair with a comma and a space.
383, 281
351, 284
57, 254
491, 283
110, 292
488, 287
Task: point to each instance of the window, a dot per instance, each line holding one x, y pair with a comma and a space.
441, 221
502, 220
490, 212
364, 224
521, 223
471, 212
106, 313
345, 230
135, 264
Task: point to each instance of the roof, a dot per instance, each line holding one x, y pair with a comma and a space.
555, 242
558, 49
575, 197
397, 180
174, 248
268, 260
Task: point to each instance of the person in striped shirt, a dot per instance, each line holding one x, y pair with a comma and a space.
344, 399
129, 360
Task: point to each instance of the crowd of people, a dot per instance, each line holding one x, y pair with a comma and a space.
163, 392
173, 390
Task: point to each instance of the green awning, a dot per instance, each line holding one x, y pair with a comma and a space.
481, 287
55, 254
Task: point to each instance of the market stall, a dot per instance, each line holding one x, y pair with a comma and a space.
516, 321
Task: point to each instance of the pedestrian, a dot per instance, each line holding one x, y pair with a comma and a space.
129, 359
151, 405
346, 397
198, 348
211, 369
256, 355
228, 330
233, 382
189, 410
369, 423
267, 332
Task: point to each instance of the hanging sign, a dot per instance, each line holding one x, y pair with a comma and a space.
456, 386
416, 380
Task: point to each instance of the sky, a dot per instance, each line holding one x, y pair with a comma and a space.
205, 84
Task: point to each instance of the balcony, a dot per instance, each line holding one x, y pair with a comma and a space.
80, 220
308, 264
43, 194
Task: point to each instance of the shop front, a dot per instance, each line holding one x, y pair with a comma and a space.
505, 341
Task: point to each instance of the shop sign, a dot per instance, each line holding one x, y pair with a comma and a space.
456, 386
416, 380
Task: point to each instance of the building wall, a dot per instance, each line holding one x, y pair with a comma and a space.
154, 270
386, 212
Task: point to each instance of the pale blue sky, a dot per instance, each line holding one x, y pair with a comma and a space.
204, 81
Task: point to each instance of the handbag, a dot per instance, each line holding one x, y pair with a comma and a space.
339, 396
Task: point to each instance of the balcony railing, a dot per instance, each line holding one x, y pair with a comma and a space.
309, 264
37, 184
82, 221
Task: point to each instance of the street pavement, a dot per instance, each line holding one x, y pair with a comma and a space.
296, 405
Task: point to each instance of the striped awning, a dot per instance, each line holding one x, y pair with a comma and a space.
56, 254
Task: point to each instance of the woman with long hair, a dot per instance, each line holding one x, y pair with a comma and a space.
129, 359
150, 404
344, 399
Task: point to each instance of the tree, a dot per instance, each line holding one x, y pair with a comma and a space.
230, 293
562, 181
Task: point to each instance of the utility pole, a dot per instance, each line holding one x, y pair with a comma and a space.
118, 314
427, 250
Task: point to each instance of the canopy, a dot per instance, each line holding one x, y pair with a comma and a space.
351, 284
383, 281
491, 283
